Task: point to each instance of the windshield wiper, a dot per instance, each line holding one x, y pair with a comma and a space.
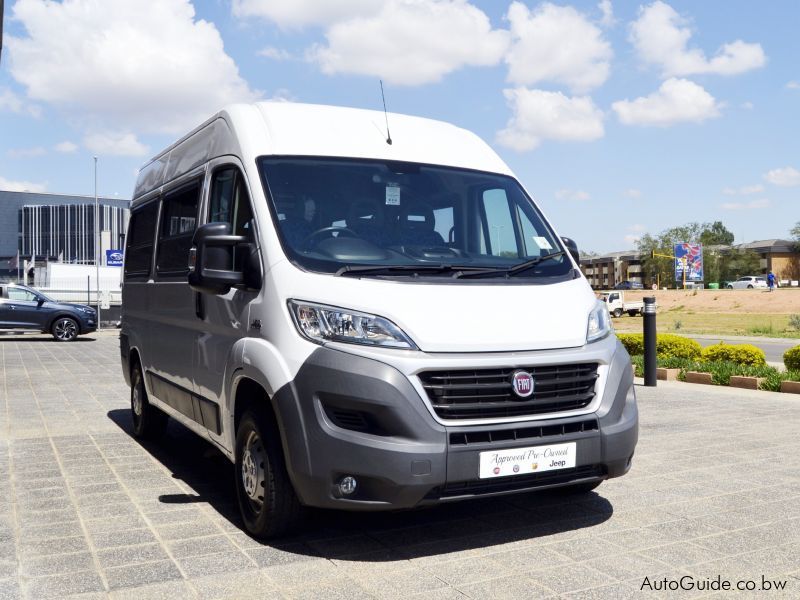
456, 270
518, 268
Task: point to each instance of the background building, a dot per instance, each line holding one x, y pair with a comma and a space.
56, 227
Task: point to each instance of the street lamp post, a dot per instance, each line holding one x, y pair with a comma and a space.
498, 228
97, 243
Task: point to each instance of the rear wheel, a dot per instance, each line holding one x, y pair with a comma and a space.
633, 313
267, 501
148, 421
750, 287
730, 287
65, 329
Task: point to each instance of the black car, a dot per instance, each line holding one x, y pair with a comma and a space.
628, 285
24, 308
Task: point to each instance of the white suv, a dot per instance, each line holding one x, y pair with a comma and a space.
749, 282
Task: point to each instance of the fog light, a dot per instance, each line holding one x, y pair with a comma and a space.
347, 485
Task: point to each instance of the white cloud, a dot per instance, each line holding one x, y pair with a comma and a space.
65, 147
111, 143
661, 37
298, 13
21, 186
676, 101
744, 191
747, 105
274, 53
13, 103
793, 85
752, 205
411, 42
567, 194
121, 65
635, 234
556, 44
607, 10
633, 193
26, 152
538, 115
785, 177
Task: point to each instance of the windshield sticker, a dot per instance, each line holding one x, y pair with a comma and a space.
392, 194
542, 243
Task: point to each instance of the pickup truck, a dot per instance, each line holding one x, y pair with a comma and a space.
617, 306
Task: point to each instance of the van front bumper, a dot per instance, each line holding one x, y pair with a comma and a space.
347, 415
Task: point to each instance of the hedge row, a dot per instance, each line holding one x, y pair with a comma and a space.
667, 345
676, 346
721, 371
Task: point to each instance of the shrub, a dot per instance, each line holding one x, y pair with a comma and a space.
633, 342
667, 345
791, 358
794, 322
676, 346
741, 354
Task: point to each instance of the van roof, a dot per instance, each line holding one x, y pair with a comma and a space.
293, 129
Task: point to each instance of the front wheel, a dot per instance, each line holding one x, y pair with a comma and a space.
65, 329
617, 312
749, 287
148, 422
267, 501
730, 287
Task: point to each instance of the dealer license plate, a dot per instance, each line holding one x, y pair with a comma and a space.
522, 461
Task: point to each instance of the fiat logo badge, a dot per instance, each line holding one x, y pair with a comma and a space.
522, 381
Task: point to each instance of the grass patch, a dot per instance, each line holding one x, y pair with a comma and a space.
767, 325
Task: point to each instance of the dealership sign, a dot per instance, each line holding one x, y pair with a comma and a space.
113, 258
689, 257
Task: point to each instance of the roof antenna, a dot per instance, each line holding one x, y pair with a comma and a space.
385, 114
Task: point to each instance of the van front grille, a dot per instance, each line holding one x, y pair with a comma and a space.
489, 393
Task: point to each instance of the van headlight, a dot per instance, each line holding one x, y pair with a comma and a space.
599, 323
320, 323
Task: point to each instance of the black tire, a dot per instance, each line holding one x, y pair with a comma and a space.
65, 329
749, 287
633, 313
618, 312
149, 423
267, 500
580, 488
730, 287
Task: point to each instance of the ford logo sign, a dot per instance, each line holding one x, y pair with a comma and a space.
522, 382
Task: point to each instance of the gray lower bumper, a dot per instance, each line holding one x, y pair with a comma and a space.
349, 415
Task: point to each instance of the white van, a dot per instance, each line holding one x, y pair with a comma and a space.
365, 323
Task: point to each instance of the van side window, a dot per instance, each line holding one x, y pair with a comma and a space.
230, 202
178, 220
139, 246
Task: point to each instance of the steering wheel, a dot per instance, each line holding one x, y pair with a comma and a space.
328, 231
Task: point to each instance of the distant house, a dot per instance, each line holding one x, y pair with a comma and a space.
607, 270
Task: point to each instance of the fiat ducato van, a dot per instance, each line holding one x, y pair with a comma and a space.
365, 322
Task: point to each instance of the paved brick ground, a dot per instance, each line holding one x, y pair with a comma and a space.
86, 510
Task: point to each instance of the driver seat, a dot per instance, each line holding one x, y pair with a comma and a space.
367, 219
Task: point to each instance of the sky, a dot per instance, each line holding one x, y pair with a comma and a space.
619, 118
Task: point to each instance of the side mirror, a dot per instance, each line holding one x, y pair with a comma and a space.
211, 264
40, 300
572, 248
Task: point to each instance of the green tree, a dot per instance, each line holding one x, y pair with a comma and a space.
737, 262
661, 269
716, 234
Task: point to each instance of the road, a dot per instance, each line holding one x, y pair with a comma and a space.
773, 347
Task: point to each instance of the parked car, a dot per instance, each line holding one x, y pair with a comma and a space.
617, 306
22, 307
748, 282
365, 325
629, 285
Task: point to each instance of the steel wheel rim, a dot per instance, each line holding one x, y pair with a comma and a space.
137, 403
252, 471
66, 329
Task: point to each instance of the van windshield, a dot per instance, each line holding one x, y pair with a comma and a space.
378, 218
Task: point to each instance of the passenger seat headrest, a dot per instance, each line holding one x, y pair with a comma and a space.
417, 215
365, 212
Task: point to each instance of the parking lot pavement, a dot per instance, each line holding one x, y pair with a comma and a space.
87, 510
